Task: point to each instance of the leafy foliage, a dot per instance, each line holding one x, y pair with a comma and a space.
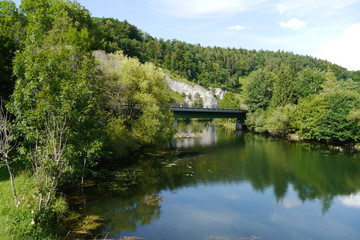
325, 117
231, 101
11, 34
308, 81
259, 89
139, 97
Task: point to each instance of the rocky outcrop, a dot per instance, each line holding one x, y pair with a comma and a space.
209, 97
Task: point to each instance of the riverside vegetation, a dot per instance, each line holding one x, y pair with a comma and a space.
68, 108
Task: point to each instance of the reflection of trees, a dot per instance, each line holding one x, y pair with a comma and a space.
130, 212
313, 171
125, 199
124, 213
207, 135
313, 174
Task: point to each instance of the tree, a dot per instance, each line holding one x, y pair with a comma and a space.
56, 76
281, 120
325, 117
259, 90
230, 101
139, 99
11, 36
354, 115
283, 87
197, 101
331, 83
308, 81
49, 161
6, 147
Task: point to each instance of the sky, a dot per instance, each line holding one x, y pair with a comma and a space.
326, 29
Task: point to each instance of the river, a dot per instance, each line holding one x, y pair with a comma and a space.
228, 185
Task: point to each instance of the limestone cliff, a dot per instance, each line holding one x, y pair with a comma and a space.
209, 97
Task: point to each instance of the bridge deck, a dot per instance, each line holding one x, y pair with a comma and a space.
208, 113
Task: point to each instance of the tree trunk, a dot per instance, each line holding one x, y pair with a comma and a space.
12, 182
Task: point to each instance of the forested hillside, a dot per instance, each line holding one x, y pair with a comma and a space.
207, 66
285, 92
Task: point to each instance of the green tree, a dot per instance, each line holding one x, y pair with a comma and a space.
325, 117
140, 100
56, 83
197, 101
354, 115
283, 87
331, 83
11, 36
281, 120
259, 90
308, 81
230, 101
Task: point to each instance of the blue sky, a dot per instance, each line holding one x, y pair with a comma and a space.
327, 29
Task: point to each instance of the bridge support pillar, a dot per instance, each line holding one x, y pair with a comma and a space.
175, 123
239, 125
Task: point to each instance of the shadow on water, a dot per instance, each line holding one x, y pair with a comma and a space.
132, 197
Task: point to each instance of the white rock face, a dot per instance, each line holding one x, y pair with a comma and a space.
208, 97
219, 93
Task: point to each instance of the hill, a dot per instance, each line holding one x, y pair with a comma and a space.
207, 66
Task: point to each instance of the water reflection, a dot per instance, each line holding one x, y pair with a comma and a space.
240, 181
205, 133
353, 200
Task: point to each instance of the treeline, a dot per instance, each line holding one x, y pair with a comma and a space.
207, 66
312, 103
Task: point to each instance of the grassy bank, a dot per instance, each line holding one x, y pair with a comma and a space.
24, 221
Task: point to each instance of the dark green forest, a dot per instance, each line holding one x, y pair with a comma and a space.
69, 84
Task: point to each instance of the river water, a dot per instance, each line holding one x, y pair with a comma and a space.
232, 185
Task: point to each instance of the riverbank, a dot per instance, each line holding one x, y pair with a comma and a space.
25, 221
230, 125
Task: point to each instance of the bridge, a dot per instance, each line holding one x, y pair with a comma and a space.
188, 113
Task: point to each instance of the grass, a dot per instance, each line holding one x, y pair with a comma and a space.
177, 78
176, 97
17, 221
25, 221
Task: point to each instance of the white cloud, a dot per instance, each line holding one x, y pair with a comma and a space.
293, 24
344, 50
319, 7
204, 8
290, 203
352, 200
237, 28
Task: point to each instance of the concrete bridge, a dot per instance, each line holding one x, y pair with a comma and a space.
188, 113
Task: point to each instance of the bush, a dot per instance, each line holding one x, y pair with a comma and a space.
281, 120
325, 117
255, 121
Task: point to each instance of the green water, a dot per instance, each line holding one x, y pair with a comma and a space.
233, 185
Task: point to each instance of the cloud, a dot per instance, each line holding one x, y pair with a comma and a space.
204, 8
237, 28
290, 203
319, 7
293, 24
352, 200
345, 49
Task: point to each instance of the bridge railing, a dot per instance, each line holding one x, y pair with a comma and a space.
185, 106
